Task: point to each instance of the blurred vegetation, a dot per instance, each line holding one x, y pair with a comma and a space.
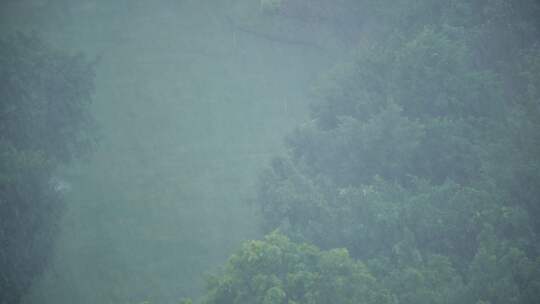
188, 111
422, 154
415, 178
44, 123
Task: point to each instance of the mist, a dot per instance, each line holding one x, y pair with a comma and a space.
269, 151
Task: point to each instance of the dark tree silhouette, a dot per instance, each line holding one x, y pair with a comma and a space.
44, 122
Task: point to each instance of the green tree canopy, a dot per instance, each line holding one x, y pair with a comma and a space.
421, 155
276, 270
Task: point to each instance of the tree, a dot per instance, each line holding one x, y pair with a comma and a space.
277, 270
422, 152
44, 122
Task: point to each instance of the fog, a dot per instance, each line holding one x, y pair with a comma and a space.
220, 125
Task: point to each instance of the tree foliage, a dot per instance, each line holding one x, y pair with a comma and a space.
421, 155
277, 270
44, 122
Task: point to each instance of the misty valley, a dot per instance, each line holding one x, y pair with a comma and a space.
269, 151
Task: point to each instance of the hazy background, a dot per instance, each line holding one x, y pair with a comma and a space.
190, 106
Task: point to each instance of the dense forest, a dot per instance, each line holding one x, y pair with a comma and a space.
287, 152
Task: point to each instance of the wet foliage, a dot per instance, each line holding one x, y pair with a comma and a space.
45, 95
411, 162
348, 151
